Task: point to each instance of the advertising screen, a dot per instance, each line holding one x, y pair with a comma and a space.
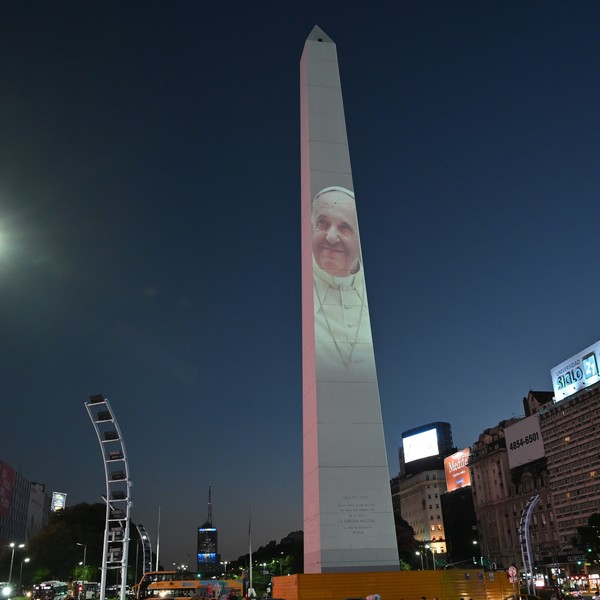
458, 474
524, 441
207, 545
576, 373
207, 557
420, 445
59, 501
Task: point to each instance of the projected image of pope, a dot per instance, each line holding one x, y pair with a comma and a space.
342, 328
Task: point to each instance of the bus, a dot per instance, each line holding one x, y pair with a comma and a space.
85, 590
50, 590
172, 585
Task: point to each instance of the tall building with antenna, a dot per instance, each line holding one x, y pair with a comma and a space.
208, 558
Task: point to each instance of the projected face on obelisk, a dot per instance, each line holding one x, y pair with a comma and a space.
336, 246
342, 327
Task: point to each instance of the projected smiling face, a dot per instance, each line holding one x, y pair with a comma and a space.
335, 242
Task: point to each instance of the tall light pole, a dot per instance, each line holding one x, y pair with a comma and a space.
225, 563
432, 554
421, 555
23, 560
84, 554
13, 545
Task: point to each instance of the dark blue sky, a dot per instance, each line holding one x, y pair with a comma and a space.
149, 233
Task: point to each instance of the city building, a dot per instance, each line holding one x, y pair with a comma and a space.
419, 498
458, 512
417, 491
569, 429
24, 506
508, 469
208, 557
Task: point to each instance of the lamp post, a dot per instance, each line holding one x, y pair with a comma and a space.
23, 560
421, 555
13, 545
432, 554
84, 570
84, 552
225, 563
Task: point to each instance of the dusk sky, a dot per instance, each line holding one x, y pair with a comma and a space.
150, 233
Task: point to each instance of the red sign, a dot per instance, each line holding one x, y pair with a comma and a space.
7, 482
458, 473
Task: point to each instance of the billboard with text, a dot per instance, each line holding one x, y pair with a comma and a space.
524, 441
59, 501
458, 474
576, 373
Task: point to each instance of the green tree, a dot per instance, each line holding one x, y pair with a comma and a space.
407, 544
588, 538
55, 549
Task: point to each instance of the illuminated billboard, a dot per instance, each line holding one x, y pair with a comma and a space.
576, 373
420, 445
458, 474
59, 501
524, 441
207, 546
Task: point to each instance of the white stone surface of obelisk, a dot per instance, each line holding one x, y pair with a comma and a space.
348, 517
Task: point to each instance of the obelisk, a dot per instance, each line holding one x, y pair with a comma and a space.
348, 518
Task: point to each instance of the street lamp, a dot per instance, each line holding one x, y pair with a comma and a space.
421, 555
13, 545
225, 563
84, 552
432, 554
23, 560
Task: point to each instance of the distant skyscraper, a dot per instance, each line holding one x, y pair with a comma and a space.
348, 518
208, 537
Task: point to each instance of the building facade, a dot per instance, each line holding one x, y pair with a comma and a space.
419, 500
24, 506
501, 495
571, 438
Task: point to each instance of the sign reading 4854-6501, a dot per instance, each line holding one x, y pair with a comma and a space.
524, 441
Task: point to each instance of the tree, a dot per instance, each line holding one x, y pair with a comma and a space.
407, 544
588, 538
